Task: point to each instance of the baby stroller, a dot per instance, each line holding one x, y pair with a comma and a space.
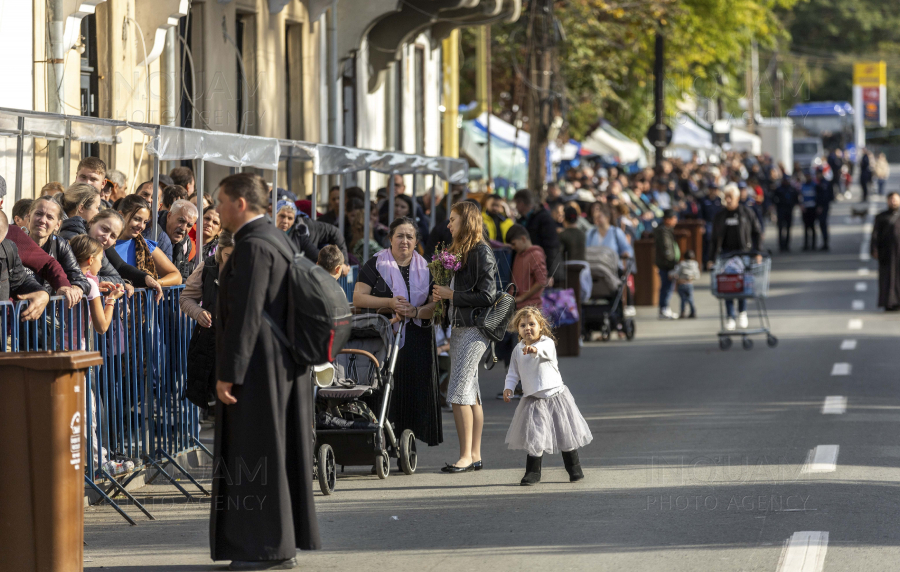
604, 310
351, 413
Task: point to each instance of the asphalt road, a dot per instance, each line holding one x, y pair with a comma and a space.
702, 459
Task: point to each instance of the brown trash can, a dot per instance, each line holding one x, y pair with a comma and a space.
42, 470
646, 281
568, 338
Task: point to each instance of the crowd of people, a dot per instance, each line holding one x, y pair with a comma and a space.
94, 238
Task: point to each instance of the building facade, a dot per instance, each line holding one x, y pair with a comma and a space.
360, 73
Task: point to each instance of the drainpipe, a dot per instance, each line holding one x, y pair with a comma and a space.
56, 94
334, 136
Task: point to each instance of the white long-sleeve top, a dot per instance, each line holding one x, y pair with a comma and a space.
538, 372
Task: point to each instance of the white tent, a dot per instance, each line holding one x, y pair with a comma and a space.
688, 135
745, 141
607, 141
509, 148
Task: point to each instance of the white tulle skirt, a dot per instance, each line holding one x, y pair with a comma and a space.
548, 425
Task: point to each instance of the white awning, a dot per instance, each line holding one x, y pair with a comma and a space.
607, 141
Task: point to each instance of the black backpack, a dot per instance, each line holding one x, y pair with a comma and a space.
318, 325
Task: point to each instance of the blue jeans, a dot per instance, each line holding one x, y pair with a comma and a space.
729, 307
665, 289
686, 292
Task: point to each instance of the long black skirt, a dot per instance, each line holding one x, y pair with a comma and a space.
415, 403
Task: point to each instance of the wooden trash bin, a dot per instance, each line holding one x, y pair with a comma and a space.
42, 423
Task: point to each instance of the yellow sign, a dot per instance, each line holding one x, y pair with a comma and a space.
870, 74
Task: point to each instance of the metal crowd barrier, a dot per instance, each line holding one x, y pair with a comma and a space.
140, 419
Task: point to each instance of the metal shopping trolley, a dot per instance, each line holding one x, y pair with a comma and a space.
738, 276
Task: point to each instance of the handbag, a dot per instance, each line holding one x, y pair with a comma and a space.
560, 306
493, 322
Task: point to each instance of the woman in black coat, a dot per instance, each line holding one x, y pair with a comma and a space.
473, 286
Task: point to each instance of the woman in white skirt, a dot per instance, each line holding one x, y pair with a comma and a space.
547, 419
473, 286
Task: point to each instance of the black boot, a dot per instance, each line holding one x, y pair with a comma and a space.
573, 467
532, 471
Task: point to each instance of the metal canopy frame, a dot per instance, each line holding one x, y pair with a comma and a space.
233, 150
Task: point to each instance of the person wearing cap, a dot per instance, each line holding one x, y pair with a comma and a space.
285, 215
667, 256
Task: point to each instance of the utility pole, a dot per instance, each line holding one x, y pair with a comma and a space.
659, 97
752, 84
488, 101
777, 88
539, 112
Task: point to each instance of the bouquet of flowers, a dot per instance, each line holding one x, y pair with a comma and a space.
442, 266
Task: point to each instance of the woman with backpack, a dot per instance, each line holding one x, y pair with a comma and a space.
198, 300
398, 278
473, 286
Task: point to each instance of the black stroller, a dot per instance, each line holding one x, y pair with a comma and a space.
351, 414
604, 311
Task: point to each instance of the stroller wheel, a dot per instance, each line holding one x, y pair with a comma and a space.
326, 469
383, 465
772, 341
409, 459
747, 343
629, 327
605, 332
724, 342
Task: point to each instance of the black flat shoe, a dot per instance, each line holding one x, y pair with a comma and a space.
478, 465
288, 564
448, 468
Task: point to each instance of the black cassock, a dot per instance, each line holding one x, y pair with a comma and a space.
262, 502
886, 241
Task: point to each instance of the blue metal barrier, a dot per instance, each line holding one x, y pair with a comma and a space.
348, 282
135, 400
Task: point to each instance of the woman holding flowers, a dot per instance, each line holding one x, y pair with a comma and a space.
473, 286
397, 278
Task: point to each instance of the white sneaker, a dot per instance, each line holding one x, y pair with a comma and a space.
743, 321
630, 312
730, 325
667, 314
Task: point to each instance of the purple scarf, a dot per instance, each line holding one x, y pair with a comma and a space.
419, 278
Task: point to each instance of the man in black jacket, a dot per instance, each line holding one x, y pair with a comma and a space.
318, 235
667, 256
542, 228
15, 280
735, 229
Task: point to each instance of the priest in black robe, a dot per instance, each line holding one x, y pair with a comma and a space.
262, 503
886, 249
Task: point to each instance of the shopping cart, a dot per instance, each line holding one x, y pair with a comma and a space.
738, 276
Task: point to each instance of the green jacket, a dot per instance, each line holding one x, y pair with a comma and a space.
667, 252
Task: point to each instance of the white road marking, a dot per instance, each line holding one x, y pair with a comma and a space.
822, 459
864, 256
858, 305
848, 345
855, 324
804, 552
863, 271
861, 286
841, 368
834, 405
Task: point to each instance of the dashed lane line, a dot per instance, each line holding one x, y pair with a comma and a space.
804, 552
858, 305
855, 324
822, 459
834, 405
841, 368
861, 287
848, 345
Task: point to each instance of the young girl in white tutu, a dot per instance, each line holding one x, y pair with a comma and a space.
547, 419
